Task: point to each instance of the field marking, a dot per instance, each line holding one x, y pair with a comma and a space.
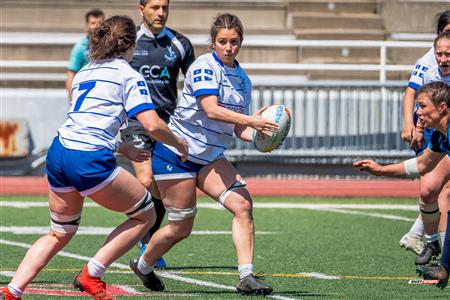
95, 230
10, 272
408, 207
164, 274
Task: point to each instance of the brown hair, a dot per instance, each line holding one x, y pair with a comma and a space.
438, 91
112, 38
226, 21
443, 35
96, 13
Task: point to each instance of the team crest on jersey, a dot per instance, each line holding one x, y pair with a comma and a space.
170, 54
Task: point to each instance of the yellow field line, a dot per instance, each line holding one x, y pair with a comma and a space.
236, 273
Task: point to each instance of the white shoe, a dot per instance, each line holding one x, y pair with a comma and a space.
410, 242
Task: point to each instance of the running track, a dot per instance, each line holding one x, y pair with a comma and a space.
263, 187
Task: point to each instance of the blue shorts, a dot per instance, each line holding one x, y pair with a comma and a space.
426, 135
167, 165
75, 170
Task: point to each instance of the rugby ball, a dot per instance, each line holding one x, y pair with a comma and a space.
281, 116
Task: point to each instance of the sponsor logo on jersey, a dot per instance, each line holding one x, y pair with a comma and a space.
154, 72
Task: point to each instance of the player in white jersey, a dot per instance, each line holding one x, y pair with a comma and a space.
214, 107
421, 75
80, 161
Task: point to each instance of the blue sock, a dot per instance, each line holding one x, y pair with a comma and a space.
445, 258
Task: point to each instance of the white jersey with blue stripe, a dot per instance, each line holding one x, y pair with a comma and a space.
208, 138
434, 75
423, 64
105, 95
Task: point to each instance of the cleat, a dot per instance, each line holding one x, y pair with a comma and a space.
434, 272
94, 286
410, 242
160, 262
430, 250
5, 294
251, 285
150, 281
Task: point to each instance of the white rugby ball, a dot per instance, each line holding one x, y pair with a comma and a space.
281, 116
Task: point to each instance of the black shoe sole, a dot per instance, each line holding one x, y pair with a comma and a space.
77, 284
260, 292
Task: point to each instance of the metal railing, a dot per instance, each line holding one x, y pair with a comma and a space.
335, 119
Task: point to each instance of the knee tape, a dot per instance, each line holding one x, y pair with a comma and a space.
145, 204
237, 185
429, 212
180, 214
64, 224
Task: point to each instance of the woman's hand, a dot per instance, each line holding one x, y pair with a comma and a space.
133, 153
261, 124
183, 149
417, 139
368, 166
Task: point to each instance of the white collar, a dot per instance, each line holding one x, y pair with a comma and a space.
150, 34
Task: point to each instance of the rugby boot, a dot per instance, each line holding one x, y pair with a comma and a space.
160, 262
5, 294
94, 286
150, 281
429, 251
434, 272
251, 285
413, 243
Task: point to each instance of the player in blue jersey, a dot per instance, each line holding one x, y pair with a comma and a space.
214, 106
81, 162
79, 55
418, 140
433, 112
160, 54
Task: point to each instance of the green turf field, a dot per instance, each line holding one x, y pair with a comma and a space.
318, 252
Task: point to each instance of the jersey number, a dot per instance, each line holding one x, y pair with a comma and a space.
86, 87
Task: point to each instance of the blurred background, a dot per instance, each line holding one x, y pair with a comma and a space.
339, 66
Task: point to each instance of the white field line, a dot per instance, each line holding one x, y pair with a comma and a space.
410, 207
90, 230
374, 215
164, 274
319, 275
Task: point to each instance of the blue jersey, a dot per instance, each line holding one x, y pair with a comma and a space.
104, 95
207, 138
79, 55
439, 142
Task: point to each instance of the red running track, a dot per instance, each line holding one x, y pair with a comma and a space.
264, 187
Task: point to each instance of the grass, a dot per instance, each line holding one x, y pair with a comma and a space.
362, 251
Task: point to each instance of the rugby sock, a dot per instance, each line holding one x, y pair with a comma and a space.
143, 267
445, 258
245, 270
431, 238
95, 268
417, 228
442, 234
15, 291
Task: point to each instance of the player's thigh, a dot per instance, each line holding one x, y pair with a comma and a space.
434, 181
178, 193
217, 177
124, 192
67, 204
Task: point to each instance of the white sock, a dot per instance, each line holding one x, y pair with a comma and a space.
15, 291
143, 267
442, 234
95, 268
417, 228
245, 270
431, 238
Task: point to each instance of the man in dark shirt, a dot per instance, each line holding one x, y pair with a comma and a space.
159, 56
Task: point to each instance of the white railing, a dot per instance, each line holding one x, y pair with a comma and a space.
251, 42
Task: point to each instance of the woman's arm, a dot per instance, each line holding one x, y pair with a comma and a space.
413, 168
214, 111
408, 111
243, 132
159, 131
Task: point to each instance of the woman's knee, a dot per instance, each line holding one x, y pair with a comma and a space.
61, 238
429, 193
